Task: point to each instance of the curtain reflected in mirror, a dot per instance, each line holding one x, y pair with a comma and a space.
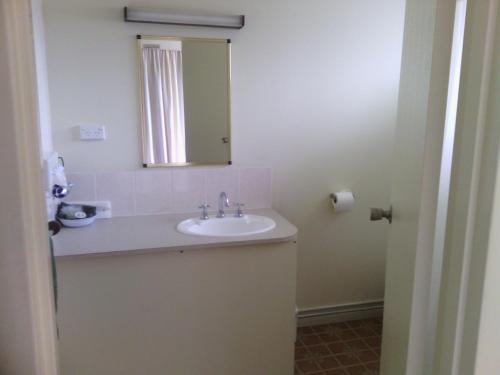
185, 85
165, 129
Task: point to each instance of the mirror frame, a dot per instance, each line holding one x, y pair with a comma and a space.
141, 96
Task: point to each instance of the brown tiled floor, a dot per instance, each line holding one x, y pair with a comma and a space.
350, 348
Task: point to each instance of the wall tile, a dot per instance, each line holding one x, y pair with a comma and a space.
222, 179
256, 187
119, 189
153, 191
156, 191
83, 188
188, 188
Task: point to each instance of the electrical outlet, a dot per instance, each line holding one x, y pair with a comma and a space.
94, 132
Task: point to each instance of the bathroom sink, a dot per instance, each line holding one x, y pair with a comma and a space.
229, 226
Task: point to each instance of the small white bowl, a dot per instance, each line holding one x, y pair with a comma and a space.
76, 223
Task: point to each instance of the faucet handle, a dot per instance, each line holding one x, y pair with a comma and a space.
239, 211
204, 213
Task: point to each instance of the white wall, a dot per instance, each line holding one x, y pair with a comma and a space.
314, 97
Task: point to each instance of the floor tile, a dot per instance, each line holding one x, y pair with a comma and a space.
366, 356
357, 345
355, 323
348, 334
348, 359
298, 342
318, 351
339, 347
358, 370
328, 337
365, 332
373, 342
328, 363
307, 366
311, 340
374, 366
301, 353
321, 328
337, 371
304, 331
346, 348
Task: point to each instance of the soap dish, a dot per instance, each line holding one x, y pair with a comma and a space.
76, 215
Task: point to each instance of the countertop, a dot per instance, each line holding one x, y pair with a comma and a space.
156, 232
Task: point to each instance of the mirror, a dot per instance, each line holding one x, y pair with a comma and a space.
185, 100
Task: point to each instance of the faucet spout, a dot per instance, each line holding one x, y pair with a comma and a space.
223, 202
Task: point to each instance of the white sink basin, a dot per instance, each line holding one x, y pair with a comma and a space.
229, 226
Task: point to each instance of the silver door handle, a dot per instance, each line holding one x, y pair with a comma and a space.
379, 214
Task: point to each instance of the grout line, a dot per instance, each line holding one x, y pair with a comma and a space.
205, 185
171, 191
134, 192
94, 186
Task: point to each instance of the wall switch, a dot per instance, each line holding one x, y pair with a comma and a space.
92, 132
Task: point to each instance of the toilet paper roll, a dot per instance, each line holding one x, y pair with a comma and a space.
342, 201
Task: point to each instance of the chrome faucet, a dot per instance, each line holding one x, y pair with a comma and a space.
223, 202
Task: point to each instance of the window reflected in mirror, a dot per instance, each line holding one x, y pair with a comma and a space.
185, 93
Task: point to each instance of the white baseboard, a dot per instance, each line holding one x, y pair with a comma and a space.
339, 313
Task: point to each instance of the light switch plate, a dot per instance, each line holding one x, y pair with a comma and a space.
92, 132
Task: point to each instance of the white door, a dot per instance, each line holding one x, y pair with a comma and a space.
416, 193
28, 343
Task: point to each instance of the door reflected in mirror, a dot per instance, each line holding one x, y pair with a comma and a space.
185, 100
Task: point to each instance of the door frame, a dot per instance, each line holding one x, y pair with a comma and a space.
474, 191
27, 319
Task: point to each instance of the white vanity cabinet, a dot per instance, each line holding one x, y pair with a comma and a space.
228, 309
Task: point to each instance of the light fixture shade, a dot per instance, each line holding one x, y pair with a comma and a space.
180, 18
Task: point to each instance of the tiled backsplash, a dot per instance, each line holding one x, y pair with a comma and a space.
173, 190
